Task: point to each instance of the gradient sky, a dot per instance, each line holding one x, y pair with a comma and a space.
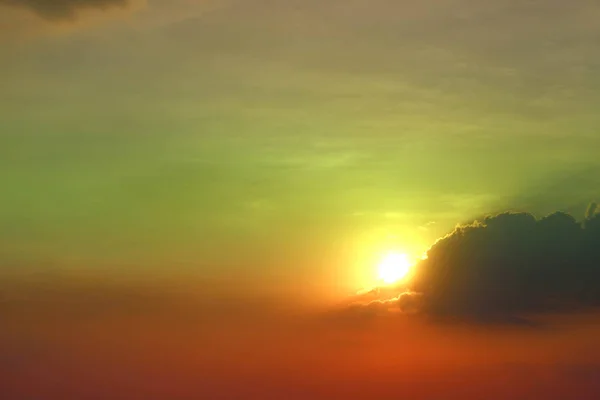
195, 195
286, 141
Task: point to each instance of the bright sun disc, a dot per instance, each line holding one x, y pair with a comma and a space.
393, 267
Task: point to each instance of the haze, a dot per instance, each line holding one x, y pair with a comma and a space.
196, 195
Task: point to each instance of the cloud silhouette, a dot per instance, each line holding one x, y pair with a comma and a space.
513, 263
375, 303
64, 9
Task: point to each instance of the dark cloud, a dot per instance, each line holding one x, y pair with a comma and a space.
511, 264
63, 9
405, 302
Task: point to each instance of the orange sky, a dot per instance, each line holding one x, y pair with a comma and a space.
126, 342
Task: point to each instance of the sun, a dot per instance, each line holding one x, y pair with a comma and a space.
393, 267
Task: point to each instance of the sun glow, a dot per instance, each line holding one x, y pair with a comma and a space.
393, 267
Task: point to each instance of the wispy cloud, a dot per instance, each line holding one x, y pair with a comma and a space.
64, 9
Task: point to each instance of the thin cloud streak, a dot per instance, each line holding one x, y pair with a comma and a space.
64, 9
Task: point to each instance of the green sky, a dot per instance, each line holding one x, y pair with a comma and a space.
279, 139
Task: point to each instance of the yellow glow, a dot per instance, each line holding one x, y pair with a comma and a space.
393, 267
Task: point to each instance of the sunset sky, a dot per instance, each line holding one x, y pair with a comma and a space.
274, 150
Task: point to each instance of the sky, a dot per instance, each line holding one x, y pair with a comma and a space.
273, 150
192, 127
